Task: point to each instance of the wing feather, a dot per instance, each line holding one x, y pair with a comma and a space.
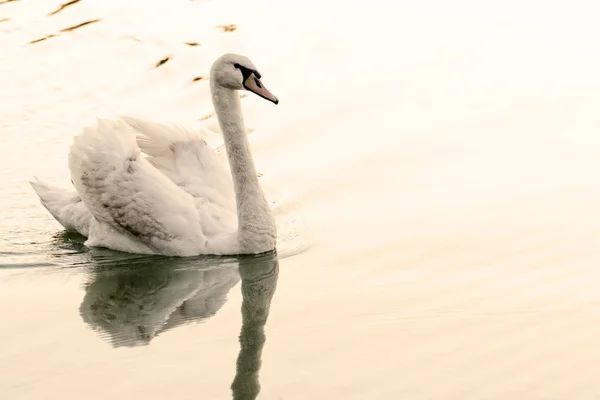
186, 159
121, 188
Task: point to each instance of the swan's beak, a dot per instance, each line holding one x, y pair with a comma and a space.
253, 84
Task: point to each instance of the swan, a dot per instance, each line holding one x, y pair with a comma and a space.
144, 187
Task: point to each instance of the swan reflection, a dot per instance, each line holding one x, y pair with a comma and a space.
136, 299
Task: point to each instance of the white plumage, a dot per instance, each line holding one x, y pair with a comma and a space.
144, 187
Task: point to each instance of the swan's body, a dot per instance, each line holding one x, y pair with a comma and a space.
146, 188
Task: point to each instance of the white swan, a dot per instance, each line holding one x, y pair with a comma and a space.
178, 198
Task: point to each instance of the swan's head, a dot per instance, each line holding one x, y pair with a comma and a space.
236, 72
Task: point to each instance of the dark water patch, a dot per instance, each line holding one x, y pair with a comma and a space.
67, 29
162, 61
72, 28
65, 243
42, 39
68, 237
63, 6
198, 78
192, 44
227, 28
7, 1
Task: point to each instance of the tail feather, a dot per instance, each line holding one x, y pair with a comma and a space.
64, 205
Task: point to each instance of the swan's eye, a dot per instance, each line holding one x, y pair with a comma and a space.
257, 83
245, 71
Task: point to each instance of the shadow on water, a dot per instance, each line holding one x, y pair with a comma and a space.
130, 299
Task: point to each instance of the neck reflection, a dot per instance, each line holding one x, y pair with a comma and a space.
259, 280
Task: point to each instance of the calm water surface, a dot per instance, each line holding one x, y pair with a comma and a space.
433, 170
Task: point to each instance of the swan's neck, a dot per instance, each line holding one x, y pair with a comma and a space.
256, 228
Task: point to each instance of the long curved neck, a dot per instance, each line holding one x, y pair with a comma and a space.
256, 228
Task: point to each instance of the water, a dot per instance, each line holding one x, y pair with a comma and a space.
434, 173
